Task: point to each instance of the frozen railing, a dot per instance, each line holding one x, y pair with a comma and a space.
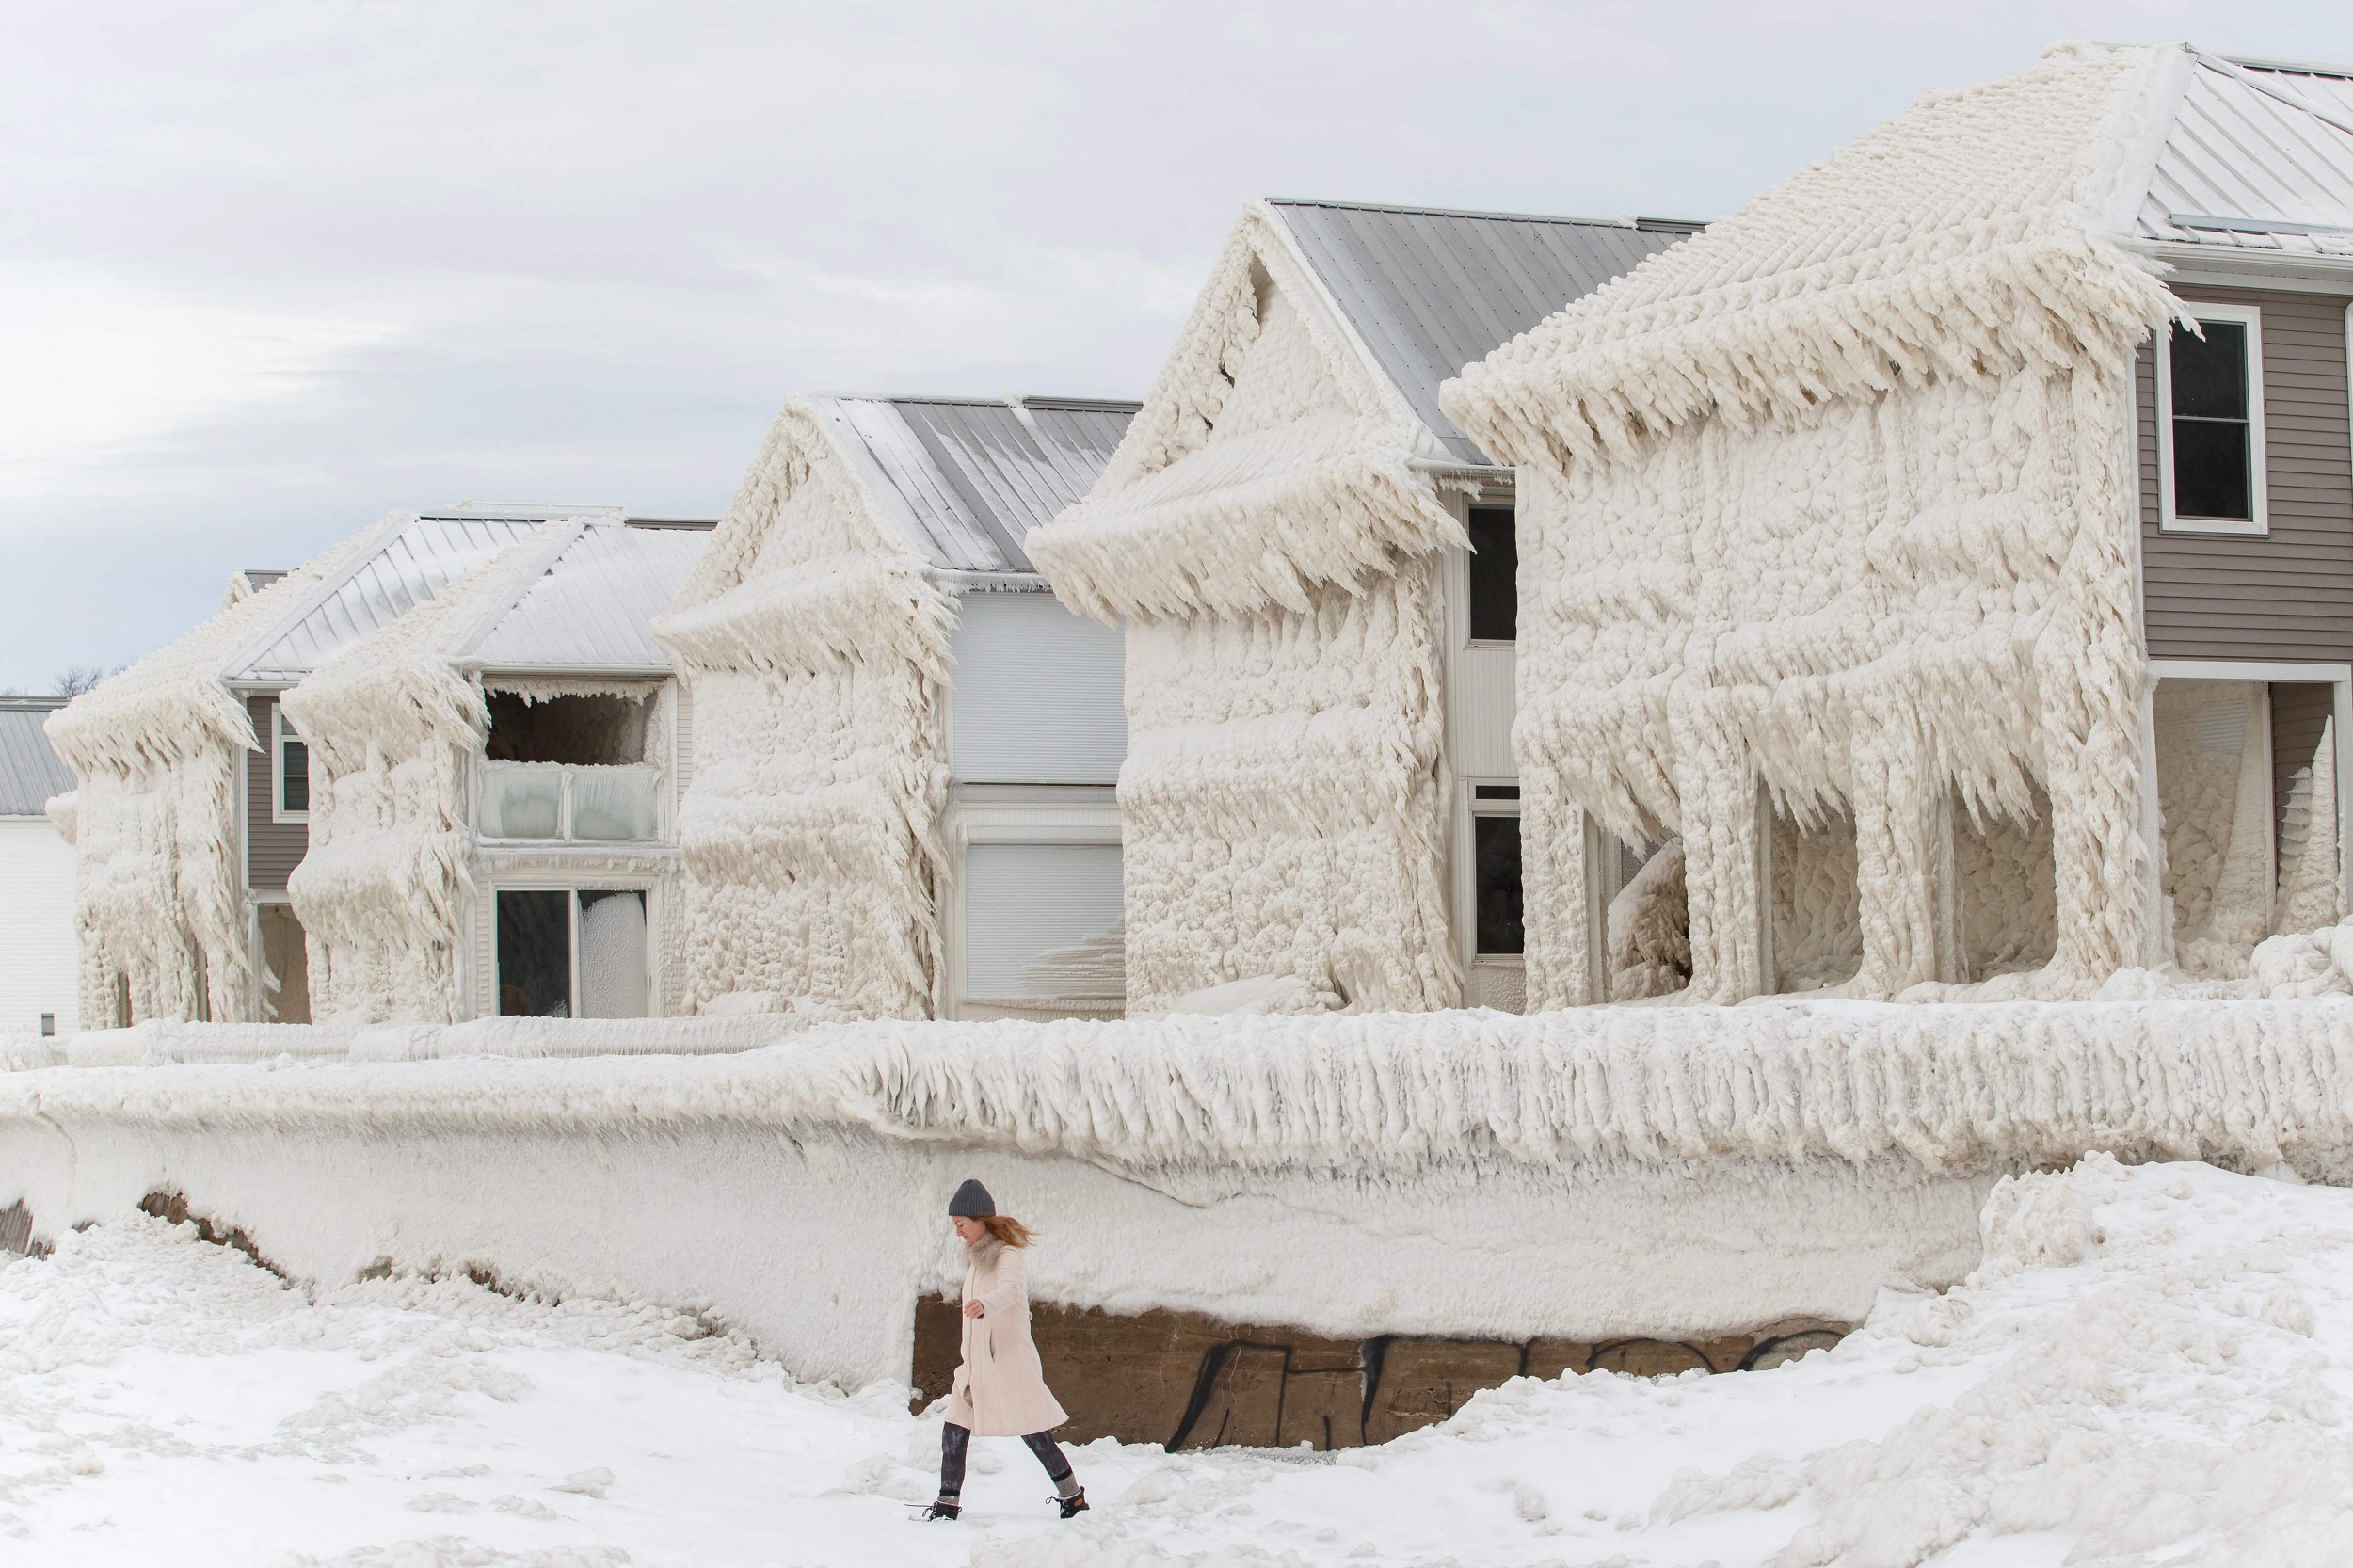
575, 803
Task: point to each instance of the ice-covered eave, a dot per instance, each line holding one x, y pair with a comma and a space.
2233, 265
2002, 295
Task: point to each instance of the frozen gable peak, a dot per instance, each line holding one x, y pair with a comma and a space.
1963, 237
1272, 456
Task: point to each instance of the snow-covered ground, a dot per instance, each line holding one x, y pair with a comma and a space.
2152, 1367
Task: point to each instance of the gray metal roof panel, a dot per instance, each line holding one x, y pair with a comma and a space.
2271, 144
972, 476
1429, 290
417, 561
589, 611
29, 771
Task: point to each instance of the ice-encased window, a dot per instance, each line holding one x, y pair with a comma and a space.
1040, 922
616, 805
572, 954
522, 801
591, 805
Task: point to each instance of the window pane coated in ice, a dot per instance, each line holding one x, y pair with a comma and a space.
2211, 477
521, 803
1494, 602
611, 805
534, 946
2210, 375
612, 954
1024, 902
1496, 846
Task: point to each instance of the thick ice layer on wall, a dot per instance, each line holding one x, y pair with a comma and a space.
1721, 1167
1271, 551
815, 652
385, 884
1280, 802
1835, 505
156, 749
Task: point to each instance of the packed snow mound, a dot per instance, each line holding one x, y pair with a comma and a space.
2147, 1371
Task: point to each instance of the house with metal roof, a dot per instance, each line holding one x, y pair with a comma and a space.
40, 971
1313, 566
1937, 576
493, 780
902, 802
520, 631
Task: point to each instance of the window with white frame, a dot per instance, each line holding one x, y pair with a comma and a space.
566, 952
290, 771
1498, 929
1495, 563
1041, 926
2210, 423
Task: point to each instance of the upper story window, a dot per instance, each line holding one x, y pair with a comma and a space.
2210, 424
1495, 567
290, 771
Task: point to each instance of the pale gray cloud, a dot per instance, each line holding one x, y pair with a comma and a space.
270, 272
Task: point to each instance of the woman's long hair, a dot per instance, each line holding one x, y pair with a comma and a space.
1007, 1230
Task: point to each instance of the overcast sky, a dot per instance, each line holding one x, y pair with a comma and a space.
270, 271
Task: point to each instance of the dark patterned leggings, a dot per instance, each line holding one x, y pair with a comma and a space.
954, 1440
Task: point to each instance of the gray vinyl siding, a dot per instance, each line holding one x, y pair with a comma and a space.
272, 849
2300, 708
2287, 595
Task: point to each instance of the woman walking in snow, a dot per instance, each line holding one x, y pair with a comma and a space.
1000, 1390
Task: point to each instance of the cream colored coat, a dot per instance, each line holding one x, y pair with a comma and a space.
1001, 1389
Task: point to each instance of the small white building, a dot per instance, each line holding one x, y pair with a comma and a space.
39, 953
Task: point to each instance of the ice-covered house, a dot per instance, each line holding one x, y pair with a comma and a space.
1319, 789
39, 982
1920, 582
494, 782
194, 801
903, 802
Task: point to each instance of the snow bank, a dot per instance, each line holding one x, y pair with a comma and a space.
2143, 1370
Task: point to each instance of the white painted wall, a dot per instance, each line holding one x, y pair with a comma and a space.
1037, 694
39, 957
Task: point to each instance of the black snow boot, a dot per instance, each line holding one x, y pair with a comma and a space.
942, 1510
1073, 1505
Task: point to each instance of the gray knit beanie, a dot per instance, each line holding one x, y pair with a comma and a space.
971, 1202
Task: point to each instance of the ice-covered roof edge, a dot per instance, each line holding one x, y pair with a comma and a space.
896, 507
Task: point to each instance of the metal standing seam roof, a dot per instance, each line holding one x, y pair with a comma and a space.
589, 611
1429, 290
415, 561
2259, 156
29, 770
972, 476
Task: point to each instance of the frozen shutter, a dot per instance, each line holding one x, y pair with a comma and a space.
1024, 903
1037, 695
